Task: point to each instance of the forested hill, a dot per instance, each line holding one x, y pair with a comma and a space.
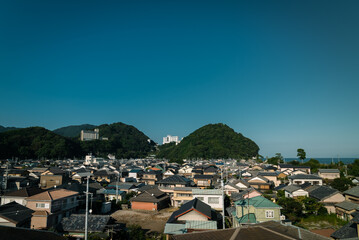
124, 141
5, 129
73, 131
211, 141
36, 142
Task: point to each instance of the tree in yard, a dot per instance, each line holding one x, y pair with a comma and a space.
277, 159
341, 184
301, 154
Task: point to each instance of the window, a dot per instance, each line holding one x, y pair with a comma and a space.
269, 214
213, 200
42, 205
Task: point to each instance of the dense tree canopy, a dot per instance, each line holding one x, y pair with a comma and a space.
123, 140
211, 141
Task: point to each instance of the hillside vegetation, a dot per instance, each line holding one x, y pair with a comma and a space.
211, 141
124, 141
73, 131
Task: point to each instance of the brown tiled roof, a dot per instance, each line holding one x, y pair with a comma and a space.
25, 192
52, 195
151, 195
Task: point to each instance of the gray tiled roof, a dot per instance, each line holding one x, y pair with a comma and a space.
76, 222
353, 191
305, 176
348, 231
323, 192
175, 179
347, 205
328, 171
291, 188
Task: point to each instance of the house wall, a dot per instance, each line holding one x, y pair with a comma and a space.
4, 222
193, 215
8, 199
144, 206
39, 222
261, 214
337, 198
32, 205
48, 181
329, 175
300, 193
216, 206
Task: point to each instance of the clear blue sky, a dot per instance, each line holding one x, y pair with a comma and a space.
283, 73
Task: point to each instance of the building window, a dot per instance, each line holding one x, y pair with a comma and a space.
269, 214
42, 205
213, 200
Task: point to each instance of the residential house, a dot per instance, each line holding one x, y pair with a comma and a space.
104, 176
305, 178
212, 197
151, 177
249, 193
136, 173
168, 173
210, 170
181, 195
20, 196
329, 174
51, 206
203, 181
15, 215
152, 200
345, 209
255, 210
326, 195
260, 183
194, 215
295, 191
52, 177
175, 181
271, 176
352, 194
110, 193
349, 231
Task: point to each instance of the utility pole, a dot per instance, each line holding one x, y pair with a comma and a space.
118, 176
223, 218
87, 206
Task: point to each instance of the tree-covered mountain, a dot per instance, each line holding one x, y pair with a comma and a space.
36, 142
124, 141
73, 131
5, 129
211, 141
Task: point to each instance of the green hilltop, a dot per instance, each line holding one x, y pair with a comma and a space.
212, 141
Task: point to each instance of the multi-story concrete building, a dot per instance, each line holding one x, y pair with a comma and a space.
170, 139
88, 135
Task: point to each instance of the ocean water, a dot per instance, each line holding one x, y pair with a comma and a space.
326, 160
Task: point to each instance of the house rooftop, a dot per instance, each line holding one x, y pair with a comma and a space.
53, 195
304, 176
206, 192
352, 192
258, 202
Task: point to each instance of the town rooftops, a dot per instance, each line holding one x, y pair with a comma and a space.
175, 179
291, 188
28, 234
304, 176
203, 176
52, 195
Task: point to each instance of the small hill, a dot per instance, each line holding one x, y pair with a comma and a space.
36, 142
5, 129
211, 141
125, 141
73, 131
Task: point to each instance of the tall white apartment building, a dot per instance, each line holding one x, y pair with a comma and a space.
170, 139
87, 135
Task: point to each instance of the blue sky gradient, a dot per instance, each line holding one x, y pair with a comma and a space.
283, 73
